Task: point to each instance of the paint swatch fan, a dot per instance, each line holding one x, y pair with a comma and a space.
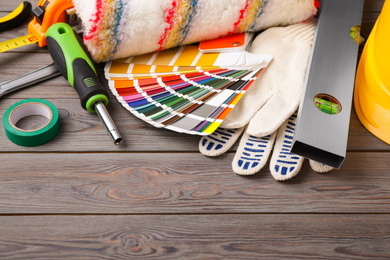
183, 89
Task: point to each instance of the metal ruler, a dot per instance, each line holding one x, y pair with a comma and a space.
324, 112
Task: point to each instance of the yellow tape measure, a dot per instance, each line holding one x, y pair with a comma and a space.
17, 42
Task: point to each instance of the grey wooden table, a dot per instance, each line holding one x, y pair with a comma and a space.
156, 196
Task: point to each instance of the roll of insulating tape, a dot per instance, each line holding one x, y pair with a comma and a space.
30, 107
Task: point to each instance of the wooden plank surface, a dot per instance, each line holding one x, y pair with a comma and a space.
157, 197
235, 236
127, 183
82, 131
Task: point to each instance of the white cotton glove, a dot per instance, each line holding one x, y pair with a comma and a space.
269, 105
276, 94
253, 152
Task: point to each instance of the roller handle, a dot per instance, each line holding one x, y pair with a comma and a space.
75, 64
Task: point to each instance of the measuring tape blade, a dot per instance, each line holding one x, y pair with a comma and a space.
17, 42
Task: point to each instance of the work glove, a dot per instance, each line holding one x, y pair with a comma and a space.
266, 111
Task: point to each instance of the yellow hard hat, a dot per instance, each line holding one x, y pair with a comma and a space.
372, 85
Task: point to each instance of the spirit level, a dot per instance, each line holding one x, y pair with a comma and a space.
325, 109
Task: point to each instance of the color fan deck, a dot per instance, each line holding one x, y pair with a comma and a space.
183, 89
155, 196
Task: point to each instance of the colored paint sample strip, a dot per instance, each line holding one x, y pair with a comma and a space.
182, 83
176, 109
206, 81
185, 56
182, 89
177, 93
210, 126
193, 120
210, 114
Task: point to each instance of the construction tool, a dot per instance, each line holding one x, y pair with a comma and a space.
74, 62
34, 77
325, 108
16, 17
46, 14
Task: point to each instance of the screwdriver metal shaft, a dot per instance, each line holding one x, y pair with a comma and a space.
103, 114
72, 59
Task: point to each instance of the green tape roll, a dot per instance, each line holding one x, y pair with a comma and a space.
29, 107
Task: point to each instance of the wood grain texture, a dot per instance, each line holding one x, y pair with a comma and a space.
8, 6
156, 197
82, 131
183, 183
234, 236
370, 14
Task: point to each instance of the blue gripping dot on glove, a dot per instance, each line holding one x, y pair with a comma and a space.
253, 152
217, 139
287, 161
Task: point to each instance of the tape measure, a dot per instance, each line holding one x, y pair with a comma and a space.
45, 14
17, 42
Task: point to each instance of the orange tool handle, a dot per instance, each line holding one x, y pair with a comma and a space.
46, 14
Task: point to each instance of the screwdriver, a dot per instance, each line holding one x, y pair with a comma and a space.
75, 63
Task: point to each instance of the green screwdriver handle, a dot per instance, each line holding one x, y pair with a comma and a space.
74, 62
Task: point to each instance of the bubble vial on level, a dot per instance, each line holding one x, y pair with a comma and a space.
327, 104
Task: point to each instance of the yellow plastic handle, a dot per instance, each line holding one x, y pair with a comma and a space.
16, 17
12, 15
